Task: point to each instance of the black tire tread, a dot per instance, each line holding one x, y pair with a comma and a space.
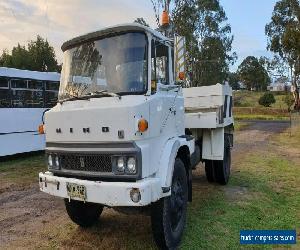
83, 214
160, 217
209, 170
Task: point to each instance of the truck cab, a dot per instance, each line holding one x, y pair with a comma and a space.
118, 137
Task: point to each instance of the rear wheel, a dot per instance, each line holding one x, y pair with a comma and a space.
222, 168
209, 170
83, 214
168, 215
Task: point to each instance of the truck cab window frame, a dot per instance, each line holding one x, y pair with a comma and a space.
160, 59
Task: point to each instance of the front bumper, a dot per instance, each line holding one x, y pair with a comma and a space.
105, 193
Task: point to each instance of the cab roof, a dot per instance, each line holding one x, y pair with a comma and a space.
111, 30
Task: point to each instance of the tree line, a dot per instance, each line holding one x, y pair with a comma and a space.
209, 45
38, 55
209, 40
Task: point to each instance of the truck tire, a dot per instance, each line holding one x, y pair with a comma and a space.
168, 215
196, 157
83, 214
209, 170
222, 168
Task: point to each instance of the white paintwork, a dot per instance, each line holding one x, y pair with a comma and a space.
18, 130
18, 126
106, 193
168, 156
213, 144
204, 115
27, 74
21, 143
159, 145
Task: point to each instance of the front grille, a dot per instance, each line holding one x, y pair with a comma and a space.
91, 163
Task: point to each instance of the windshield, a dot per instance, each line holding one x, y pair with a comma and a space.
116, 64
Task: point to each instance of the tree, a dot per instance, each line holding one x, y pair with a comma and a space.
42, 55
284, 38
6, 59
233, 80
288, 100
38, 55
141, 21
253, 74
209, 39
267, 99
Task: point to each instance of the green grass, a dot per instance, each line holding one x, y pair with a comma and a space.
22, 170
263, 194
260, 117
238, 125
246, 98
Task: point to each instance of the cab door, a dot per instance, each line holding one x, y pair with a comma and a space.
164, 105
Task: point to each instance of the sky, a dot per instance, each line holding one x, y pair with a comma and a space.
58, 21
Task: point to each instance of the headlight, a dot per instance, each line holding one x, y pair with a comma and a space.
131, 165
50, 161
125, 165
53, 161
56, 161
120, 164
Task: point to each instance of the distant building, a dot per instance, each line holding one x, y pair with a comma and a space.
280, 84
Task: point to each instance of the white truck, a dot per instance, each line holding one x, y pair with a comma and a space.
126, 135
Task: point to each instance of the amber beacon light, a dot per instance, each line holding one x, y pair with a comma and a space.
165, 20
142, 125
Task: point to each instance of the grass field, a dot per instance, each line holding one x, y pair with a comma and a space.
246, 107
265, 117
246, 98
263, 193
20, 173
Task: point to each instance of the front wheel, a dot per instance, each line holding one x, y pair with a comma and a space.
84, 214
168, 215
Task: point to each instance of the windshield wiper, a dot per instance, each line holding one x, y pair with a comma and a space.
95, 94
73, 98
103, 93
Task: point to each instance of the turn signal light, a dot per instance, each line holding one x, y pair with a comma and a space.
181, 76
142, 125
41, 129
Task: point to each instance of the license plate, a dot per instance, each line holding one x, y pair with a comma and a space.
76, 191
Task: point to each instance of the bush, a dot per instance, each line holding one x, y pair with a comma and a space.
267, 99
288, 100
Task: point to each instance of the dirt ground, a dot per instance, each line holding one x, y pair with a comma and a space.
32, 219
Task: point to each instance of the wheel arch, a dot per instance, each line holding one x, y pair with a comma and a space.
175, 147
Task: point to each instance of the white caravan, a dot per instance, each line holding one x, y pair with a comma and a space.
125, 134
24, 96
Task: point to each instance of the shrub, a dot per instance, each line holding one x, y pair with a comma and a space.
267, 99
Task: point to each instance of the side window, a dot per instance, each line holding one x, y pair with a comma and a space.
159, 64
51, 94
5, 101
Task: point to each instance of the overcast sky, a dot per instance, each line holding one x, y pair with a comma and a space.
60, 20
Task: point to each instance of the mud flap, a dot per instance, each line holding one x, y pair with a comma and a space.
213, 144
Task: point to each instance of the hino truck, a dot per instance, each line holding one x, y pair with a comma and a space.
125, 134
